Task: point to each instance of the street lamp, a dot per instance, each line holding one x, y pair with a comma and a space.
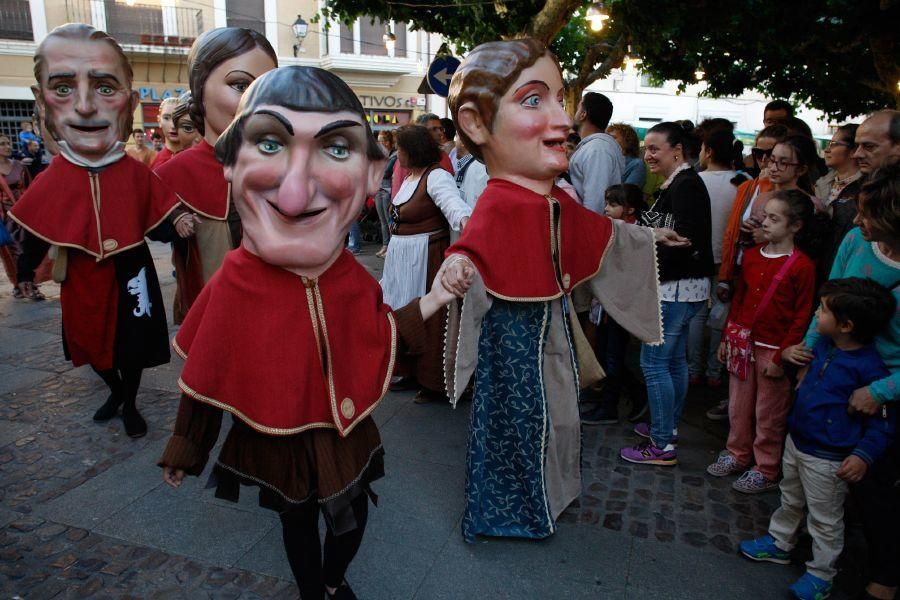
699, 74
630, 62
595, 15
300, 28
390, 40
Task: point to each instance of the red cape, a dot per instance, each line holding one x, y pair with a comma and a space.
101, 214
161, 158
199, 180
508, 238
69, 206
284, 353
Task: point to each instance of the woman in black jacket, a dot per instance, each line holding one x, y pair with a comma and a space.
682, 204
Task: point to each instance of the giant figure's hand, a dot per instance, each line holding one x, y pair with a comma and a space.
668, 237
456, 275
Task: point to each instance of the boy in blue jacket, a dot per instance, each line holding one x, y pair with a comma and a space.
828, 446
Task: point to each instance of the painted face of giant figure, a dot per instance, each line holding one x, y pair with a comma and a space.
84, 90
222, 63
301, 160
507, 101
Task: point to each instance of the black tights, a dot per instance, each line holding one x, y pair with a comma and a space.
300, 527
123, 383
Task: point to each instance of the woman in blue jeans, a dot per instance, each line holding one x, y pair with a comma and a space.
682, 204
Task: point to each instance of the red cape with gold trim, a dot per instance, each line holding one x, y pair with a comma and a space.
509, 239
161, 158
101, 213
284, 353
199, 180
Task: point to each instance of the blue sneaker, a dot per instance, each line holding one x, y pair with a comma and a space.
810, 587
763, 549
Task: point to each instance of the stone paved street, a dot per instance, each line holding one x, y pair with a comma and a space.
84, 512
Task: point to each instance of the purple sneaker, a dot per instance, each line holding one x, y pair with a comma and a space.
646, 453
643, 430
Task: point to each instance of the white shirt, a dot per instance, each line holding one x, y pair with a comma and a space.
721, 198
474, 182
442, 188
685, 290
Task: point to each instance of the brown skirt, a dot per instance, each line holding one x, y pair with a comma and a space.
428, 367
316, 465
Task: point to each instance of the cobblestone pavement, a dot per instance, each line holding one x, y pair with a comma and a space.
84, 514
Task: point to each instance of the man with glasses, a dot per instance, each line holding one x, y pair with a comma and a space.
878, 141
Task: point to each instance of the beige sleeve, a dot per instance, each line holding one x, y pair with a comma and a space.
461, 339
628, 282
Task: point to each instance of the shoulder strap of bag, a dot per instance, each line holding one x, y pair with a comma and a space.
782, 272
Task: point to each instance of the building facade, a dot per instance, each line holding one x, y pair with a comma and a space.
157, 34
641, 102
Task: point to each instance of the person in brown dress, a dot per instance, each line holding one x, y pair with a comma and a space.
424, 210
291, 336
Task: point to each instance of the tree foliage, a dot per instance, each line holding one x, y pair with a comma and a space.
840, 56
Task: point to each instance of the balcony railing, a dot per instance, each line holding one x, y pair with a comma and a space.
139, 24
15, 20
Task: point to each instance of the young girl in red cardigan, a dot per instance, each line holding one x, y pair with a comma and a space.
774, 300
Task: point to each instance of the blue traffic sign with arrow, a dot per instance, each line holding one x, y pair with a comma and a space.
440, 73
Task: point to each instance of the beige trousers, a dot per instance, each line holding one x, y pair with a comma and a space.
811, 482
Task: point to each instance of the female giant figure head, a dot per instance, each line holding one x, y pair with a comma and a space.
507, 101
222, 64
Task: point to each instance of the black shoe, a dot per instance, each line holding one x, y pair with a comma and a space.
602, 415
343, 592
638, 412
109, 409
135, 425
402, 384
426, 396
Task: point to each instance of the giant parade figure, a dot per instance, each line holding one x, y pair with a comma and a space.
221, 64
526, 247
96, 204
291, 335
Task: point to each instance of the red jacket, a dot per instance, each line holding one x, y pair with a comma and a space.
784, 321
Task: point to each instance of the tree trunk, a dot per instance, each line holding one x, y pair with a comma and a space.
553, 17
574, 91
588, 74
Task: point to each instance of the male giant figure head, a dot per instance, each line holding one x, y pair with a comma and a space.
84, 91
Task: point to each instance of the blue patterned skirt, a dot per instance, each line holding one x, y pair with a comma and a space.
506, 492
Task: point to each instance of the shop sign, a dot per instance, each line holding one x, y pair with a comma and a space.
152, 94
387, 119
392, 102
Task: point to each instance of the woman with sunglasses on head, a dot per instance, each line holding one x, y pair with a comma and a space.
746, 212
837, 190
